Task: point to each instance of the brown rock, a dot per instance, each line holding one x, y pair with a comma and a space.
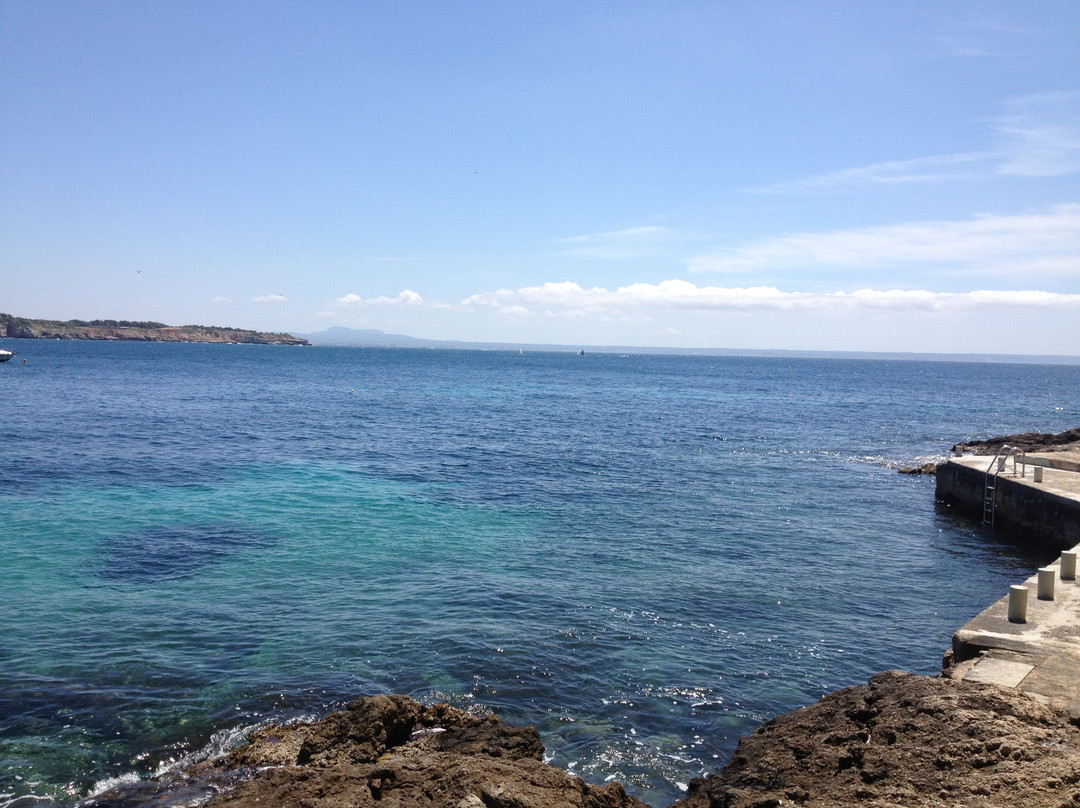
925, 468
901, 740
1028, 441
904, 740
387, 751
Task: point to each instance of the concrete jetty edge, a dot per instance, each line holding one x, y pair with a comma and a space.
1036, 514
1038, 654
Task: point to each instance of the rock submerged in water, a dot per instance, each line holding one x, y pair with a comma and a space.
925, 468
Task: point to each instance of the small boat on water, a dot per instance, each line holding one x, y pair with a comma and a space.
5, 355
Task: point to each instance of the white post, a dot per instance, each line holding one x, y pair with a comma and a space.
1038, 474
1018, 596
1046, 583
1068, 565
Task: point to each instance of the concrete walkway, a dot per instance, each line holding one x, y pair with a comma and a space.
1040, 656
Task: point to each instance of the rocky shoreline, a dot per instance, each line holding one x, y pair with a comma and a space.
1067, 441
900, 740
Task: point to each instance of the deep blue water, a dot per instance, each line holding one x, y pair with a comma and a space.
645, 556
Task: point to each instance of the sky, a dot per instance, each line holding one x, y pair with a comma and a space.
744, 175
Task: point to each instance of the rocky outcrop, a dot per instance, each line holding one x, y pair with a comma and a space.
925, 468
901, 740
1028, 441
386, 751
126, 330
904, 740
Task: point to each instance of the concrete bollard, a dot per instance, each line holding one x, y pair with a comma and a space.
957, 451
1038, 474
1068, 565
1046, 583
1018, 596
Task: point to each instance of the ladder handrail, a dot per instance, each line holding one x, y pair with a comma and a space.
1010, 451
997, 465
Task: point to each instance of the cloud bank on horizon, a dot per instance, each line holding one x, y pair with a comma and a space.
1004, 248
796, 176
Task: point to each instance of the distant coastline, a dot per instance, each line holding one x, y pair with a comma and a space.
339, 336
126, 330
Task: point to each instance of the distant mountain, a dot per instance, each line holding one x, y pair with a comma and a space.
373, 338
366, 338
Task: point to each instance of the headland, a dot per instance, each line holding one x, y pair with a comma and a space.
127, 330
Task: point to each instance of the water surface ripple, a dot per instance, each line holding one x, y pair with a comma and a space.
645, 556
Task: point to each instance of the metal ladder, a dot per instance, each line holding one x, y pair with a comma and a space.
997, 465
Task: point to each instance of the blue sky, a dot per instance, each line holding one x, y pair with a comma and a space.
793, 175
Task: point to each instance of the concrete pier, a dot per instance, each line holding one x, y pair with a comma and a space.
1040, 656
1043, 513
1029, 639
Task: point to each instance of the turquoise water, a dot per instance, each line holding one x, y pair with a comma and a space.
644, 556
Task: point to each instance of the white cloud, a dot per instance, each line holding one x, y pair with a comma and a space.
1036, 242
222, 300
630, 232
268, 299
1041, 135
559, 299
983, 37
406, 297
515, 311
564, 294
937, 168
617, 244
1037, 136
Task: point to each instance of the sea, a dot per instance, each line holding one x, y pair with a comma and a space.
644, 556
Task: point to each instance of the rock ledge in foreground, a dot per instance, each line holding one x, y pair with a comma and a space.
904, 740
386, 751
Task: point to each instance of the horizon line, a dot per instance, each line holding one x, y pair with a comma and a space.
408, 341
